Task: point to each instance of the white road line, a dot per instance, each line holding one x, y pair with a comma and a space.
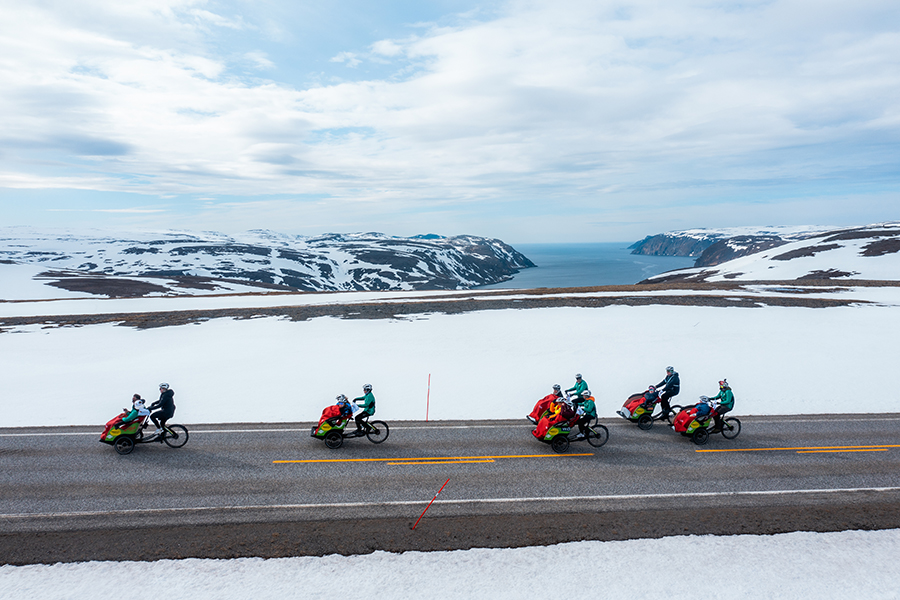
303, 429
144, 511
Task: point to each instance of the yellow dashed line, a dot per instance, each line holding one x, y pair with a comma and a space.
810, 449
442, 462
849, 450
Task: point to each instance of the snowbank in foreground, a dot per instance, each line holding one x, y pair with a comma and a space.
487, 365
849, 564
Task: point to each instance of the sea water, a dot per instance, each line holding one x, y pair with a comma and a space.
582, 265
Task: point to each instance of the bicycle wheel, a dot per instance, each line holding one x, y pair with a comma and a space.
378, 432
176, 436
731, 428
597, 435
124, 444
645, 422
334, 439
560, 443
701, 436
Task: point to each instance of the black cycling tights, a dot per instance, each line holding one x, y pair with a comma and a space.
159, 420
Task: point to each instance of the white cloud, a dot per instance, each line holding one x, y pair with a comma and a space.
349, 58
387, 48
592, 105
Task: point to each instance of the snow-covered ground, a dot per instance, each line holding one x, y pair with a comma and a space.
483, 364
820, 566
779, 360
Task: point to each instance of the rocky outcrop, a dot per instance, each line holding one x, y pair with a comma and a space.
735, 247
673, 244
860, 253
715, 246
332, 262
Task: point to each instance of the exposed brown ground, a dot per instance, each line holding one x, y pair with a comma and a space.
471, 301
319, 538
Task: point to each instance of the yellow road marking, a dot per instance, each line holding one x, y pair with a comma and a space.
426, 458
443, 462
806, 448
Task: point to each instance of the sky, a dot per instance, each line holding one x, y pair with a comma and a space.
529, 121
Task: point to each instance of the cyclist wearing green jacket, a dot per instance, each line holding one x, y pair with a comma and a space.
587, 412
726, 402
367, 403
579, 388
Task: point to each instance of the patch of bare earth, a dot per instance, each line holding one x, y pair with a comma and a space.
804, 252
463, 302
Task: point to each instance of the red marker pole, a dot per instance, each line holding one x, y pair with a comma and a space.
428, 398
430, 503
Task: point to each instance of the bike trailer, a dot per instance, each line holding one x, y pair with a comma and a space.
688, 421
110, 432
334, 423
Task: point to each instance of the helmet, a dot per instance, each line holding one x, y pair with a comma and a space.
341, 398
367, 387
556, 387
670, 369
724, 384
652, 388
586, 393
164, 386
577, 375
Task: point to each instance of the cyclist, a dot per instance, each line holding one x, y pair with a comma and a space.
587, 412
726, 403
579, 388
164, 407
367, 403
670, 387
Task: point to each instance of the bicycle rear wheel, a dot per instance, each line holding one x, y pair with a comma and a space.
378, 432
176, 436
731, 427
597, 435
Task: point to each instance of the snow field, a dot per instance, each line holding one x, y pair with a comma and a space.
483, 365
824, 566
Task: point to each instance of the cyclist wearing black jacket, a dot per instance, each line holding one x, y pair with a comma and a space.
672, 385
166, 406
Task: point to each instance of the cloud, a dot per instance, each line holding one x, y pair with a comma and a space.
387, 48
349, 58
584, 105
260, 60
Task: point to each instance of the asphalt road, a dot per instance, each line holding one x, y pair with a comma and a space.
272, 490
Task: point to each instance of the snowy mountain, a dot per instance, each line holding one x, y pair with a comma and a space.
871, 252
177, 262
713, 246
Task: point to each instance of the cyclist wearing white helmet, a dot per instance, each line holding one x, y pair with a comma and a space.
367, 403
165, 406
726, 403
579, 388
670, 387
